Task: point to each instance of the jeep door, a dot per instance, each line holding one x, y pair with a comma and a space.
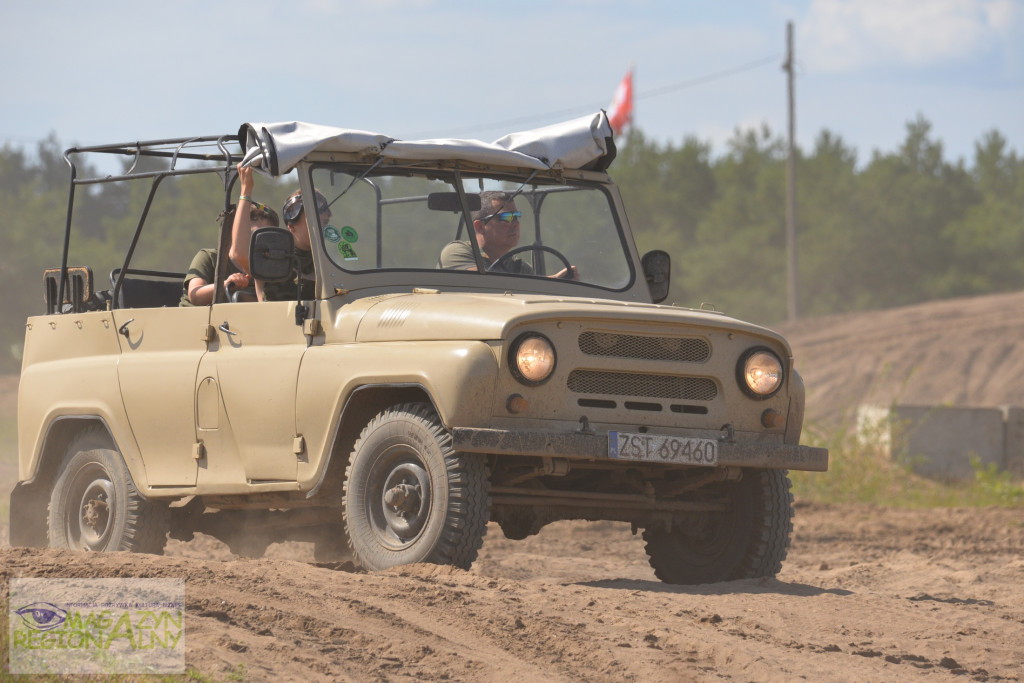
160, 352
252, 366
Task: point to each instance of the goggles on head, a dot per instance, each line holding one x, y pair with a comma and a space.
293, 207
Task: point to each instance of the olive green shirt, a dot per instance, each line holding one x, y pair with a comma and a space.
459, 256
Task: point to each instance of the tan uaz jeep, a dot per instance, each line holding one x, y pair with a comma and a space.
388, 415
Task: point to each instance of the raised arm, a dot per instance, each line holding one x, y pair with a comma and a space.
241, 229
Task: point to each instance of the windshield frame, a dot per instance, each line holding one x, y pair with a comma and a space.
460, 180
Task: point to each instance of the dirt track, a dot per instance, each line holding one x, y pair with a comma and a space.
865, 595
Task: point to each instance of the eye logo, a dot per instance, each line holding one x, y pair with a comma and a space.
42, 616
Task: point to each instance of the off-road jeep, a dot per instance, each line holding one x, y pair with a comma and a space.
391, 415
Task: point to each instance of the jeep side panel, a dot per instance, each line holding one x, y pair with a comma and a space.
69, 371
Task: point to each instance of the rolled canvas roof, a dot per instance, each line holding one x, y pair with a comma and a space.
582, 143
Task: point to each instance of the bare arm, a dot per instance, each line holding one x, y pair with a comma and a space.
241, 229
200, 292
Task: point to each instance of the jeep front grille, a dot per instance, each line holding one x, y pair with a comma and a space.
685, 349
642, 385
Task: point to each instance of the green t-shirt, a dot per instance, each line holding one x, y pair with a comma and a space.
459, 256
204, 265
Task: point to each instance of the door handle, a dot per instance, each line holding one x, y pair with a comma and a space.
124, 328
224, 328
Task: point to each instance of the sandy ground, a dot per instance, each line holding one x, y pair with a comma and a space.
866, 595
961, 352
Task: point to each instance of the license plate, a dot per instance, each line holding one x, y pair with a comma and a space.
658, 448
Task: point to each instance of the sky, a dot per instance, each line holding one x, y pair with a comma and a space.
111, 71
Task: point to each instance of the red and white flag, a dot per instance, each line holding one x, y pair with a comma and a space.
620, 113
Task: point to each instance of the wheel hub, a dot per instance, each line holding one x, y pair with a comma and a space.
403, 499
404, 502
95, 522
94, 513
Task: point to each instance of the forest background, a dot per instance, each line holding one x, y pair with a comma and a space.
902, 227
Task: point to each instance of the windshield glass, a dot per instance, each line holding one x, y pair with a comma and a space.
409, 222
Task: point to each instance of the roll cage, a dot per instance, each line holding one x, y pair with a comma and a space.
65, 291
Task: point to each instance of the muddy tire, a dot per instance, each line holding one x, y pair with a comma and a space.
94, 505
409, 497
749, 539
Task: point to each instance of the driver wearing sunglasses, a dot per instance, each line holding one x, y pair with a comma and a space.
496, 226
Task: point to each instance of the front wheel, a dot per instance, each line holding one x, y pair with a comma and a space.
746, 540
94, 505
409, 497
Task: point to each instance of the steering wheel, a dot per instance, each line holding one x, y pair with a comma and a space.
534, 247
247, 294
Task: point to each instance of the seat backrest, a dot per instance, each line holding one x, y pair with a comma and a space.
77, 292
154, 290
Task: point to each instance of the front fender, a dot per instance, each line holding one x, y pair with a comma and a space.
458, 376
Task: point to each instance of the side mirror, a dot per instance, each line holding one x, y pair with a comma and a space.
657, 267
272, 255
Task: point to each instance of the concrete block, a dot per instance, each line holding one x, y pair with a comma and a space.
939, 441
1014, 450
873, 426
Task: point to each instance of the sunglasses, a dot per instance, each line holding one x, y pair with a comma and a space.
293, 207
260, 207
507, 216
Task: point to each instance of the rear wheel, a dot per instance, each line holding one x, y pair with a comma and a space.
94, 505
409, 497
748, 539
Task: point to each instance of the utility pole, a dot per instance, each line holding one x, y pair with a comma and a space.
791, 184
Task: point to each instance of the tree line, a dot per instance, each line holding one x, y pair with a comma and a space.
905, 226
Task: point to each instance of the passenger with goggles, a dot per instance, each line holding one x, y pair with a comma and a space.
496, 226
199, 285
295, 220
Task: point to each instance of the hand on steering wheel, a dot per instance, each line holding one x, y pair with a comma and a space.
568, 273
235, 287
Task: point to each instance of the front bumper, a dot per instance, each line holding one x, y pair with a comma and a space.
581, 445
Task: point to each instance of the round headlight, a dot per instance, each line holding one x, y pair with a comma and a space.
760, 373
532, 358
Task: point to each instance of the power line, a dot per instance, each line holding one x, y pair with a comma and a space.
716, 76
647, 94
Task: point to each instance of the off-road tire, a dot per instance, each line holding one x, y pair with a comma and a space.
409, 497
94, 505
747, 540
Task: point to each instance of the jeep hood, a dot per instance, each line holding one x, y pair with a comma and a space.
430, 315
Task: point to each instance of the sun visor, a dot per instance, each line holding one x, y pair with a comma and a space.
276, 148
473, 151
583, 143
